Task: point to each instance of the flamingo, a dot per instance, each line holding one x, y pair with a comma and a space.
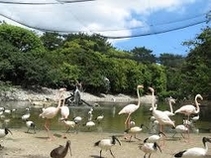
64, 112
195, 151
106, 144
160, 116
49, 113
190, 109
64, 109
170, 113
130, 108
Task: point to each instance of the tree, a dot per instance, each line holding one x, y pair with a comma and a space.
197, 67
52, 41
21, 56
143, 55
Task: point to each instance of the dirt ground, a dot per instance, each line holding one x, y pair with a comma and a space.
28, 145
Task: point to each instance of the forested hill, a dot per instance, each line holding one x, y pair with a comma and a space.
54, 60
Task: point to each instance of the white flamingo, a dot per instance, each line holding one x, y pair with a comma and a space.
130, 108
195, 151
170, 101
49, 113
190, 109
65, 112
160, 116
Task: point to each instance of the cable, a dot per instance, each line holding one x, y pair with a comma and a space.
155, 32
114, 37
152, 33
37, 28
45, 3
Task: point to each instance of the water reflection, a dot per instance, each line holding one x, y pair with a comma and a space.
112, 122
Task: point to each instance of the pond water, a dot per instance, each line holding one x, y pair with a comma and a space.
112, 122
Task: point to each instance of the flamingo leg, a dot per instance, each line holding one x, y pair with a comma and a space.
163, 139
127, 122
47, 125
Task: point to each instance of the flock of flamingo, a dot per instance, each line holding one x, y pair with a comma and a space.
149, 146
163, 118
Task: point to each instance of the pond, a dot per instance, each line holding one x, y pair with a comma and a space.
112, 122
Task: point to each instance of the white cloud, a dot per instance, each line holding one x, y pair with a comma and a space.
93, 16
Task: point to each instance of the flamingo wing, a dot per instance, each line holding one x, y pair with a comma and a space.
49, 112
186, 109
128, 109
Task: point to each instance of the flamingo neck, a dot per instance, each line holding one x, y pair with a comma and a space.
139, 98
197, 105
153, 104
170, 105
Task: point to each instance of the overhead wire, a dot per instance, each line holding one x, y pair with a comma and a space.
100, 32
45, 3
37, 28
154, 31
111, 37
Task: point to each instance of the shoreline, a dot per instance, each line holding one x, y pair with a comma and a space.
49, 96
26, 145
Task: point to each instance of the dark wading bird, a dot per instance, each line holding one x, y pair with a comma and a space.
106, 144
61, 151
195, 151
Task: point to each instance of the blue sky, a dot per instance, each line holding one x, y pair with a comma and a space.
170, 42
119, 18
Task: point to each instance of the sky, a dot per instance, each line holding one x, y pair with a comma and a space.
160, 26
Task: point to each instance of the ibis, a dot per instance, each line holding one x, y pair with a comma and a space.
30, 125
149, 148
155, 137
134, 130
106, 144
195, 151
